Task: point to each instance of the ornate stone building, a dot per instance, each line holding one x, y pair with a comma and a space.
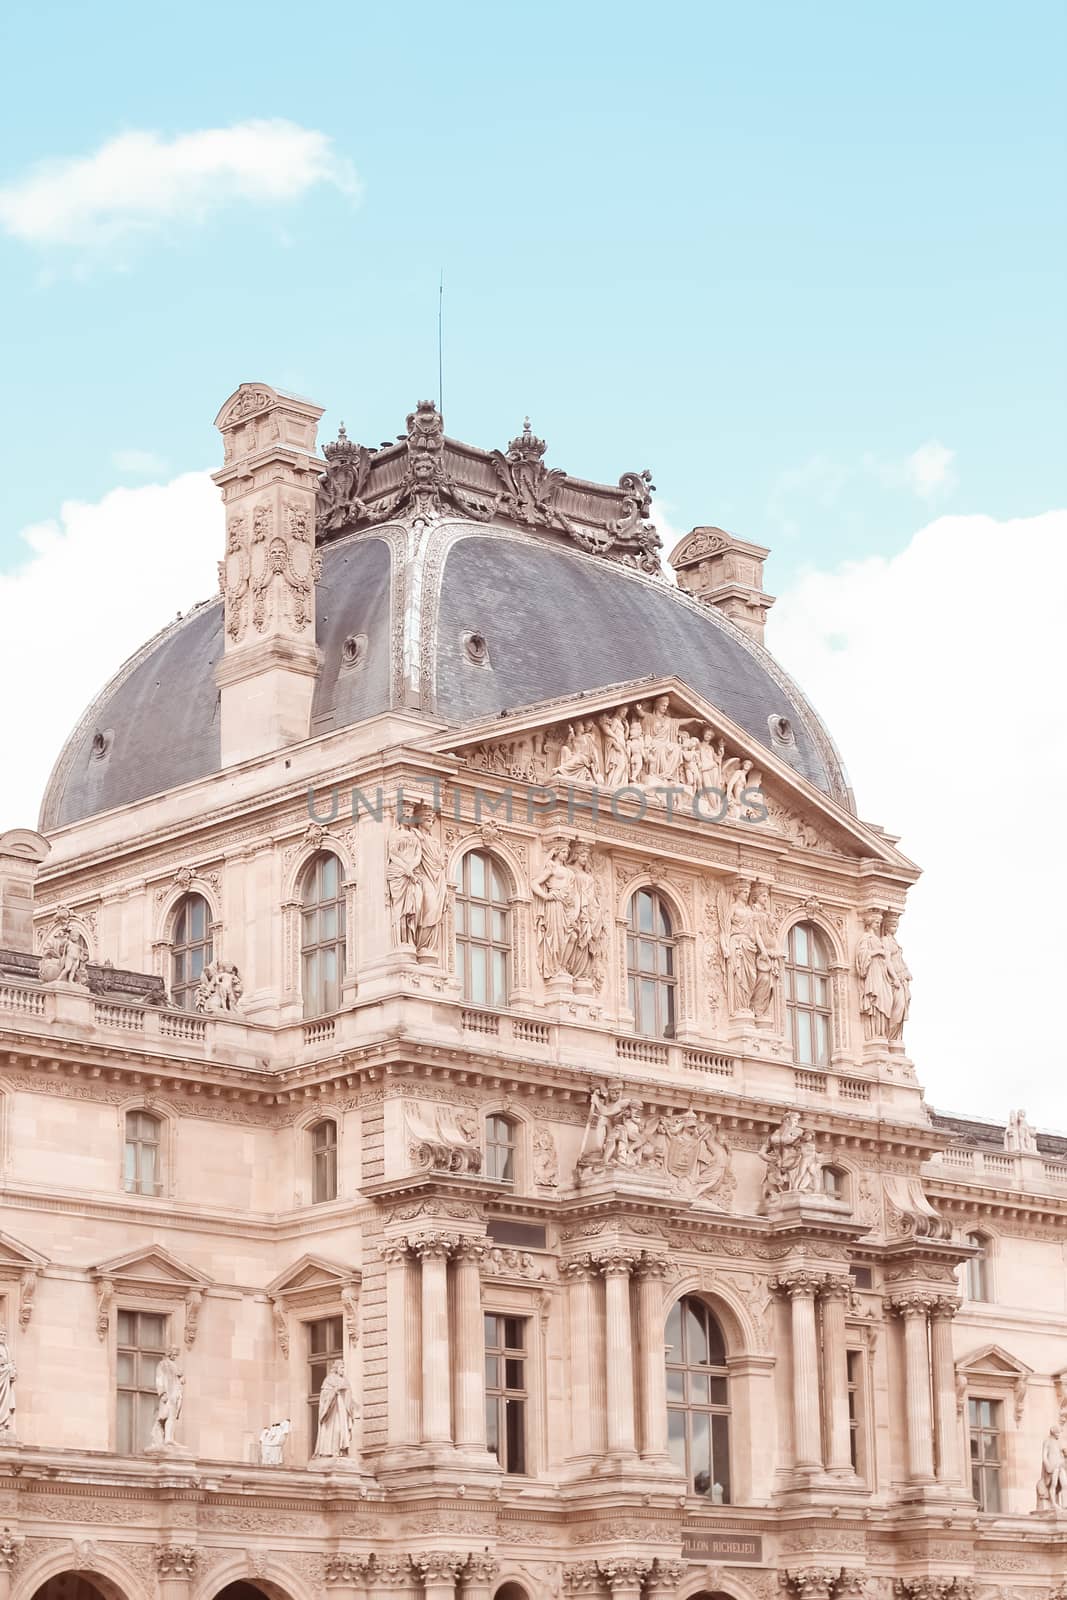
459, 1141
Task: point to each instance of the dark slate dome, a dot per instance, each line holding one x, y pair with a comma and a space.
395, 630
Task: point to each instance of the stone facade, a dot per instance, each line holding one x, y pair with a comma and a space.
527, 1191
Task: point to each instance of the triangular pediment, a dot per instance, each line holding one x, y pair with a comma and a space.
992, 1361
312, 1273
154, 1265
578, 742
16, 1257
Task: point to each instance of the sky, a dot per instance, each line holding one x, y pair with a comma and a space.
805, 263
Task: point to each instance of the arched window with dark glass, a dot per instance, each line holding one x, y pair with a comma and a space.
323, 1161
698, 1400
322, 935
500, 1142
651, 965
483, 934
191, 949
142, 1167
807, 995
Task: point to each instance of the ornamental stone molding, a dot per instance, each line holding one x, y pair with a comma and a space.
811, 1583
347, 1568
934, 1588
912, 1302
177, 1560
439, 1566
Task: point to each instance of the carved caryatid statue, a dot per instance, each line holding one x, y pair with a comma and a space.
899, 974
170, 1387
64, 954
337, 1412
746, 934
8, 1375
877, 986
587, 928
1052, 1484
555, 893
793, 1162
416, 878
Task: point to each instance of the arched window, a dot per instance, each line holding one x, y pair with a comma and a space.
650, 964
835, 1182
978, 1285
500, 1142
142, 1167
322, 935
807, 970
698, 1400
483, 941
323, 1161
190, 949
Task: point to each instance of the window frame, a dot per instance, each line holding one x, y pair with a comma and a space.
495, 903
663, 975
842, 1185
146, 1389
316, 1359
512, 1146
688, 1408
184, 992
332, 1152
160, 1145
809, 1008
983, 1471
317, 1004
856, 1391
978, 1269
504, 1398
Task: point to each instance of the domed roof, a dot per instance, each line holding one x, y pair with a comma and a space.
396, 613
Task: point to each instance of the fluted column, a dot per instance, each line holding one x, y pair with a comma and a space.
433, 1251
802, 1287
944, 1375
619, 1353
402, 1321
913, 1308
581, 1308
834, 1299
651, 1357
478, 1576
470, 1346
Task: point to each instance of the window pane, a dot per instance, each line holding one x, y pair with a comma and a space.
800, 945
644, 912
720, 1438
695, 1334
700, 1451
515, 1412
676, 1439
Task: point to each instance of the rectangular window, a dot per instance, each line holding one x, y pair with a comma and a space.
142, 1343
856, 1438
323, 1162
505, 1390
325, 1346
986, 1452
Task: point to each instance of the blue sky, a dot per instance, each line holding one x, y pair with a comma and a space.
769, 251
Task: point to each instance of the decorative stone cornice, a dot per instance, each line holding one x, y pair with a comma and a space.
177, 1560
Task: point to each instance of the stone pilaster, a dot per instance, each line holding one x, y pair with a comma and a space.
651, 1357
619, 1352
833, 1300
433, 1251
470, 1346
625, 1575
348, 1577
440, 1572
581, 1308
943, 1367
478, 1576
802, 1286
176, 1567
812, 1583
913, 1307
403, 1325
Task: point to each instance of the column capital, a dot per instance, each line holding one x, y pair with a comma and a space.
812, 1583
945, 1306
581, 1577
434, 1246
650, 1266
624, 1572
911, 1302
665, 1576
580, 1269
394, 1250
439, 1566
347, 1569
799, 1283
177, 1560
617, 1263
392, 1571
834, 1288
482, 1566
471, 1249
934, 1588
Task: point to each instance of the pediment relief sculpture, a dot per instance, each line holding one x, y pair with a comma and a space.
682, 1152
792, 1160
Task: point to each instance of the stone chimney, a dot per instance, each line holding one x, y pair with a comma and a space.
21, 853
268, 573
726, 573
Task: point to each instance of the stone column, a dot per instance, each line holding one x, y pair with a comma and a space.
470, 1346
400, 1293
439, 1571
348, 1577
802, 1287
625, 1576
619, 1353
944, 1374
913, 1308
581, 1309
651, 1357
176, 1565
834, 1299
434, 1250
480, 1571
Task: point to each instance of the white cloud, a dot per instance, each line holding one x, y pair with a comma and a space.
139, 180
823, 485
941, 678
101, 579
139, 463
929, 469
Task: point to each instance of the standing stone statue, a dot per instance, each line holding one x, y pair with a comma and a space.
337, 1411
272, 1443
899, 973
1052, 1484
614, 1132
1020, 1136
793, 1164
587, 932
745, 934
170, 1387
433, 883
556, 915
877, 986
64, 954
8, 1375
416, 878
220, 988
